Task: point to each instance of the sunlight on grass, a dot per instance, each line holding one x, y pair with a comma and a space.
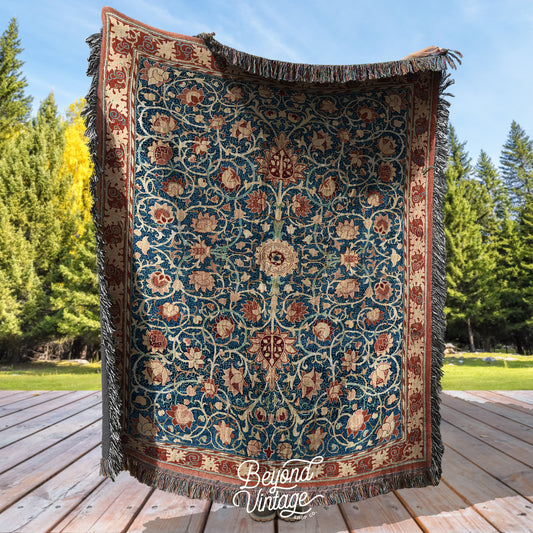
487, 371
64, 375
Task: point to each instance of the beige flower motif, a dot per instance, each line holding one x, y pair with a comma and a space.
155, 372
224, 327
163, 124
195, 357
254, 448
146, 427
347, 230
234, 94
357, 421
350, 259
242, 130
156, 75
346, 288
383, 344
234, 380
315, 439
224, 432
381, 375
328, 106
284, 450
394, 101
310, 383
387, 428
202, 280
321, 141
387, 146
379, 458
204, 223
200, 251
276, 258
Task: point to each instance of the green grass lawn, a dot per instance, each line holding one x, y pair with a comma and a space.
464, 371
50, 376
468, 371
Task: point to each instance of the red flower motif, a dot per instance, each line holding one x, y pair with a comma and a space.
296, 312
160, 152
334, 392
174, 187
366, 114
159, 282
229, 179
301, 205
383, 290
386, 171
256, 201
201, 145
224, 327
191, 97
155, 341
417, 227
382, 224
310, 383
327, 188
169, 311
357, 421
322, 330
251, 310
181, 415
417, 295
418, 193
374, 198
209, 387
161, 213
383, 344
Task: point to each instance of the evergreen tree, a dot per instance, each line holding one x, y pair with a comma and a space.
470, 261
517, 165
15, 107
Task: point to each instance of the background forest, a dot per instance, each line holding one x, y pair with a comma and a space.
48, 285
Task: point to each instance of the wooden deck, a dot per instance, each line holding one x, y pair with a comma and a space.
49, 481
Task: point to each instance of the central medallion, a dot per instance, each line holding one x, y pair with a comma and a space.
280, 163
276, 258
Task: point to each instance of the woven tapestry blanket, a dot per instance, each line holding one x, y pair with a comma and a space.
271, 263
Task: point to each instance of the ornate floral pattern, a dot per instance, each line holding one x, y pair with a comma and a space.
266, 254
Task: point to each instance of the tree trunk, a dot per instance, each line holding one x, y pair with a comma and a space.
470, 335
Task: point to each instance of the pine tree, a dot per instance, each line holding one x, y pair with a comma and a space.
15, 107
517, 165
470, 262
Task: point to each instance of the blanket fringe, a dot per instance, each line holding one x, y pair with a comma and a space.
300, 72
438, 282
227, 493
112, 453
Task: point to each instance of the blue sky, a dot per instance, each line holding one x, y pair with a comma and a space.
492, 87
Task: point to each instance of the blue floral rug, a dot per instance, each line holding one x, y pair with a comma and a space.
271, 258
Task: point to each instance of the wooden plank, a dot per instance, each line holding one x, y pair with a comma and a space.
29, 413
17, 396
490, 404
46, 505
229, 519
19, 481
496, 502
34, 444
440, 510
507, 400
319, 519
513, 473
38, 423
382, 514
34, 401
109, 508
164, 512
504, 442
502, 424
524, 396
